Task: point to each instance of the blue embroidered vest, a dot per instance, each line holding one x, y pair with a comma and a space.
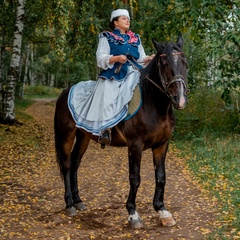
121, 44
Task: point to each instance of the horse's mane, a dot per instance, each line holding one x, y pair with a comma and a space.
144, 83
145, 71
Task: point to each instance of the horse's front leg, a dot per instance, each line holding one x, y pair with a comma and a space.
159, 155
134, 158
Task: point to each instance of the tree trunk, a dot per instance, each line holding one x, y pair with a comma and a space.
1, 74
8, 114
26, 71
32, 75
52, 80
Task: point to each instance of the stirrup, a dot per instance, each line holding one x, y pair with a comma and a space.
105, 138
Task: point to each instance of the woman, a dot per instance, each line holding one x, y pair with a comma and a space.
99, 106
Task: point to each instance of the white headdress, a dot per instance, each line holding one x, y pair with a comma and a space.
118, 13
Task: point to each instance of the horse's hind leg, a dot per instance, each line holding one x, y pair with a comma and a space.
68, 154
69, 157
69, 171
79, 149
64, 140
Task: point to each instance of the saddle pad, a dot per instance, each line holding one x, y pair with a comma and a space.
135, 103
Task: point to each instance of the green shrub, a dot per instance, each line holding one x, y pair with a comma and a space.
208, 135
206, 113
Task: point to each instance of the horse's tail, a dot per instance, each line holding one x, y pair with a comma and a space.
58, 136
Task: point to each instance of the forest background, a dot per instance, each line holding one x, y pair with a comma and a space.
52, 43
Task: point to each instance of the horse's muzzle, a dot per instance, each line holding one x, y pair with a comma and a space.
179, 102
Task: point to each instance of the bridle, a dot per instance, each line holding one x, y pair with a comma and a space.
165, 86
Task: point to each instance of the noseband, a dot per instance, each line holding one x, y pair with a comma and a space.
165, 86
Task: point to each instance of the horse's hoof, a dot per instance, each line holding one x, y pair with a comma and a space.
169, 221
135, 223
80, 206
71, 211
166, 218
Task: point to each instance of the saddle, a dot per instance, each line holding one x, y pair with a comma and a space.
135, 103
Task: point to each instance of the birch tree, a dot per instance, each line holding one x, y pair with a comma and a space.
1, 79
26, 71
8, 114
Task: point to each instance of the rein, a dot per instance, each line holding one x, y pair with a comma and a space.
176, 53
156, 85
165, 87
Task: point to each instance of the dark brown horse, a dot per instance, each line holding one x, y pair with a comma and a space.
163, 84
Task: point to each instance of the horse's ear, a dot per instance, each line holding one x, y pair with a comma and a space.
158, 46
180, 41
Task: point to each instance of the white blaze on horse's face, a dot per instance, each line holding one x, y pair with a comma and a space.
175, 57
182, 98
181, 102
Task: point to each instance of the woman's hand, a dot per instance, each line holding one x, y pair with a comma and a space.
148, 59
120, 58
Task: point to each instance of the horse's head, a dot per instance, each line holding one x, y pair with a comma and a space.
172, 70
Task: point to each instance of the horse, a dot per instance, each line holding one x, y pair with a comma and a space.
163, 87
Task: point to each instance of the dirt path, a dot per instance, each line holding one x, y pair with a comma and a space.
38, 212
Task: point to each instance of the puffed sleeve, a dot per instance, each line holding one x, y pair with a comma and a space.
103, 54
142, 54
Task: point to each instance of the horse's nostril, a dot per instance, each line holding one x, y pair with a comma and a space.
175, 98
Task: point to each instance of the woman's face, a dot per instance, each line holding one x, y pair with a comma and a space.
123, 23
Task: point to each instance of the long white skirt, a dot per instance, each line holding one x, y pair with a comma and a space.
98, 105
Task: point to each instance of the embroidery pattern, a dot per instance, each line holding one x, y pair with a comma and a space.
133, 38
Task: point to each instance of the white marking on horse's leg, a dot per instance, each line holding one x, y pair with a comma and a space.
135, 221
134, 216
166, 218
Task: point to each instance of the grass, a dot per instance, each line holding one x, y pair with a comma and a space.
208, 135
40, 91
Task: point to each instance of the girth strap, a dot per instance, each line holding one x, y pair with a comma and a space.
121, 134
